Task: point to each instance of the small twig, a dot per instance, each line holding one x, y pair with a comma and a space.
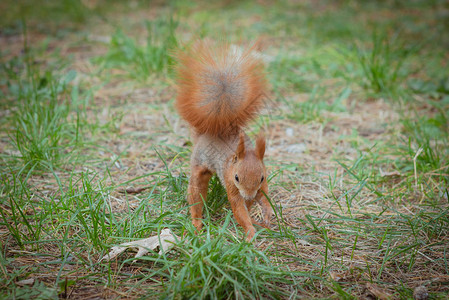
132, 190
414, 166
439, 169
432, 260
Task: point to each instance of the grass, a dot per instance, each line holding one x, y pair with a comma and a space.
46, 114
383, 65
217, 266
54, 18
94, 155
143, 62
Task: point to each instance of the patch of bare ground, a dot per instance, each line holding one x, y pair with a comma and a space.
313, 189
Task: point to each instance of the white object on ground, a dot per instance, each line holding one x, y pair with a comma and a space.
166, 238
296, 148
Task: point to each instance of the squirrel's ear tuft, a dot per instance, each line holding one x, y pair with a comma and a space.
260, 146
240, 153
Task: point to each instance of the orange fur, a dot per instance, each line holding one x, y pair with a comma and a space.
219, 90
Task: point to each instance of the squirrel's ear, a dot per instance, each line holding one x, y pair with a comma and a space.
260, 146
240, 153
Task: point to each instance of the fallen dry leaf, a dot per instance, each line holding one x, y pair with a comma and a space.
335, 276
378, 292
132, 190
29, 281
166, 238
389, 174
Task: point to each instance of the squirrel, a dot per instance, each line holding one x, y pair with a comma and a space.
219, 90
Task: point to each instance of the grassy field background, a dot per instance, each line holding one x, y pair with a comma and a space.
93, 154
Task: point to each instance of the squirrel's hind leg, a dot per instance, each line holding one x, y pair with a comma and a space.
197, 193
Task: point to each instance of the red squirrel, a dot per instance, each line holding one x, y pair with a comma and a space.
220, 90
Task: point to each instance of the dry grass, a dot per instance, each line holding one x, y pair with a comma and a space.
351, 219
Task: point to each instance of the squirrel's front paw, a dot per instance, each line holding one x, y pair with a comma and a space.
198, 225
267, 214
250, 233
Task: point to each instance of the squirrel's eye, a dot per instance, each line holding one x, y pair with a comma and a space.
236, 178
262, 179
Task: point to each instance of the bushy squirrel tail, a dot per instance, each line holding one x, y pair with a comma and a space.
220, 89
